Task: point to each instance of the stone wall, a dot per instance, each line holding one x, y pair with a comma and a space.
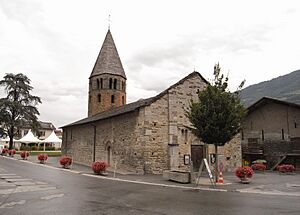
94, 105
153, 136
78, 143
180, 135
115, 142
152, 139
233, 153
230, 154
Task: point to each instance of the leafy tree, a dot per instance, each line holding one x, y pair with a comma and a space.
19, 106
218, 115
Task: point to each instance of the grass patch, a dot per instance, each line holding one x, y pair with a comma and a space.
50, 153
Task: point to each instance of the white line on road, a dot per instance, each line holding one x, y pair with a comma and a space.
156, 184
11, 204
273, 192
52, 196
23, 189
6, 174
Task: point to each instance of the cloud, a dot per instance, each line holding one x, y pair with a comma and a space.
154, 68
21, 11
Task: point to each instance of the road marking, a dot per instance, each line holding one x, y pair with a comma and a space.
52, 196
273, 192
254, 190
11, 204
156, 184
6, 184
4, 174
24, 183
9, 176
23, 189
292, 185
18, 179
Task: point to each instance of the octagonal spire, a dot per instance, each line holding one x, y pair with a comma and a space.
108, 61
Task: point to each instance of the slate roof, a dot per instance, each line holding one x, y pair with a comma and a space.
131, 106
266, 100
42, 125
108, 60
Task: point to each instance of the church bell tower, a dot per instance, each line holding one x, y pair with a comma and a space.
107, 82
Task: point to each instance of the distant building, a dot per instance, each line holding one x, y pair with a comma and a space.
147, 136
43, 131
272, 132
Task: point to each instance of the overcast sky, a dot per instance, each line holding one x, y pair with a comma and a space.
55, 43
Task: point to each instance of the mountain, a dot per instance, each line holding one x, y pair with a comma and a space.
286, 88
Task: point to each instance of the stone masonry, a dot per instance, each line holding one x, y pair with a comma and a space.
147, 136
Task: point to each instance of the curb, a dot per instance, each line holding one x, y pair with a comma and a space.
119, 179
245, 191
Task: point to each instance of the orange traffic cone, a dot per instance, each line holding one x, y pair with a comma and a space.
220, 179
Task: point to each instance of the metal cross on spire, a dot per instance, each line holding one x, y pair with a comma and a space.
109, 21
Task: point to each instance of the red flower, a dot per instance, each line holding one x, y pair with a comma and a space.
5, 150
258, 166
286, 168
42, 157
24, 154
12, 152
244, 171
99, 166
65, 160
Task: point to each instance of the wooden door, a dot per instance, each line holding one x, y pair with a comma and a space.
196, 156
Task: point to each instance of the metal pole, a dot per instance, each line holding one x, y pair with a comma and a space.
94, 151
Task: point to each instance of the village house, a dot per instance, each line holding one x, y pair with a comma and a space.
272, 132
147, 136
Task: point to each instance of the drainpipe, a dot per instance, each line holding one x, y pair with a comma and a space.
94, 144
287, 122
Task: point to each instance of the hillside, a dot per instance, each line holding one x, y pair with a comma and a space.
285, 88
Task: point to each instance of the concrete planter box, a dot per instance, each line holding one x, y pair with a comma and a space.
177, 176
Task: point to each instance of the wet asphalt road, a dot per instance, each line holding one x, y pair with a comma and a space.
60, 192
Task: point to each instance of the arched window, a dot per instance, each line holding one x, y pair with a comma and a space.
101, 83
110, 83
99, 98
115, 84
123, 100
113, 99
98, 84
123, 85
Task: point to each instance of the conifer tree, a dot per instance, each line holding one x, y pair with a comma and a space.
18, 108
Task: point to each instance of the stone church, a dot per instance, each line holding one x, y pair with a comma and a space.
147, 136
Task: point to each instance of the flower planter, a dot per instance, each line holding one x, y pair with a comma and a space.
258, 167
245, 180
24, 155
42, 158
244, 173
99, 167
5, 151
65, 161
286, 169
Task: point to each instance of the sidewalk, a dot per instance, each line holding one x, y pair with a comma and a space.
269, 183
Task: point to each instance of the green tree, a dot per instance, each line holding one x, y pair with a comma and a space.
19, 106
218, 115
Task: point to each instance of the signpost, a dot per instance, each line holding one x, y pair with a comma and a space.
211, 178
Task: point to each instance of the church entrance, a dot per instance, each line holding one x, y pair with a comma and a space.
108, 155
196, 156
